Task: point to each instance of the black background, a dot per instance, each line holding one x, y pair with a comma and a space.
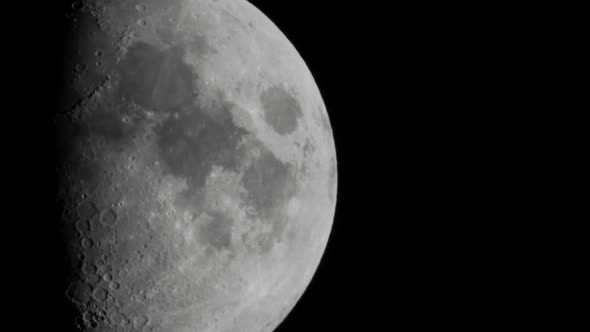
463, 139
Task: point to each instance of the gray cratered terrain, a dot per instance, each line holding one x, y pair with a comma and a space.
197, 169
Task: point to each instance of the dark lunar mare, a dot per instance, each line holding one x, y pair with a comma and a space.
270, 184
192, 139
156, 79
281, 109
191, 142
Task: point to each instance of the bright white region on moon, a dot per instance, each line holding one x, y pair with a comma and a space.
197, 171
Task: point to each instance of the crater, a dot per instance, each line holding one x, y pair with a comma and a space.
281, 110
108, 217
86, 210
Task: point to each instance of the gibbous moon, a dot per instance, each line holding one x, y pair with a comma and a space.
197, 168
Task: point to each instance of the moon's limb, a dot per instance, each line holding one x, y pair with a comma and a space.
198, 168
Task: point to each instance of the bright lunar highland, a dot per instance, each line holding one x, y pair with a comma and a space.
197, 167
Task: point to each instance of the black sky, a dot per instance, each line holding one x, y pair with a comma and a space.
463, 139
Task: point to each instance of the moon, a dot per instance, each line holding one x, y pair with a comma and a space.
197, 170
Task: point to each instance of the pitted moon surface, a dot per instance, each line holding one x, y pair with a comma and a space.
197, 167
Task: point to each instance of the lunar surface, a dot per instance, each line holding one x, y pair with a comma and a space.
197, 169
